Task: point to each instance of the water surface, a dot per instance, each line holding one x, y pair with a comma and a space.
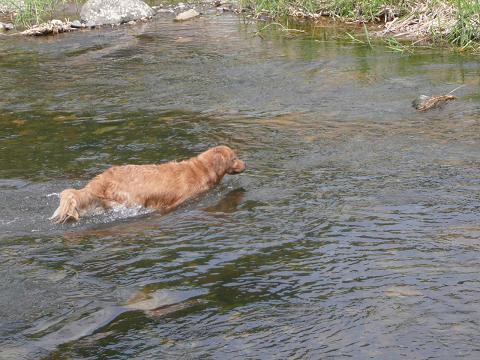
354, 232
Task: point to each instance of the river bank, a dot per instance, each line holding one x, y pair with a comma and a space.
50, 17
443, 22
400, 23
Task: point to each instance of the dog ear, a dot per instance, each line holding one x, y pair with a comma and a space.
219, 161
219, 164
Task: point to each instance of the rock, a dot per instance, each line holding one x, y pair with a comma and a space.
51, 27
7, 26
77, 24
103, 12
224, 9
90, 24
187, 15
218, 3
419, 101
56, 22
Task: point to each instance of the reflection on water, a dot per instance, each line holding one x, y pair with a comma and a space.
353, 233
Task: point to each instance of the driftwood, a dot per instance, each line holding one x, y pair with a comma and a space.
51, 27
424, 103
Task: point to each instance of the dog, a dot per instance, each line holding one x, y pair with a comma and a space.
157, 186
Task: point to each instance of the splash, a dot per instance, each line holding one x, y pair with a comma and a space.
121, 211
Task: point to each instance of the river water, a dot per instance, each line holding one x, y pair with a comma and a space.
353, 233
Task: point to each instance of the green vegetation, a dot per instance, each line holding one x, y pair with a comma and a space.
435, 21
367, 10
467, 27
30, 12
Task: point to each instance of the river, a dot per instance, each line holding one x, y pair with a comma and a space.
353, 233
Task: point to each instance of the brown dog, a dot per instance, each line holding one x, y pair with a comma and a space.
161, 187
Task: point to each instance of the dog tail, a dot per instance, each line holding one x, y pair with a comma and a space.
72, 204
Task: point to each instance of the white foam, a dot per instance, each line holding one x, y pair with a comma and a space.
120, 211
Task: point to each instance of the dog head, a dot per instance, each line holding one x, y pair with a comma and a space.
224, 160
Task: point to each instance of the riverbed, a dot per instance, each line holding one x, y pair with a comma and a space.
353, 233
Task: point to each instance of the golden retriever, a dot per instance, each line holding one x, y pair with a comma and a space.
161, 187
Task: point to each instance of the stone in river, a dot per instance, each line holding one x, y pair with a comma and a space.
103, 12
77, 24
187, 15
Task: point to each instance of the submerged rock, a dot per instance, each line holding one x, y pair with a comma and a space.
187, 15
103, 12
402, 291
180, 6
6, 26
77, 24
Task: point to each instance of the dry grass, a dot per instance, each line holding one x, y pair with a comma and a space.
432, 102
431, 19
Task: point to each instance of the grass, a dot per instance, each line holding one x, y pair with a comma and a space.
396, 46
282, 27
367, 42
31, 12
391, 43
365, 10
437, 21
467, 28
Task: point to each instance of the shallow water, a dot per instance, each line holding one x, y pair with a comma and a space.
353, 233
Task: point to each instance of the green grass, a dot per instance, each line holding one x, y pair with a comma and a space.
31, 12
467, 28
367, 10
398, 47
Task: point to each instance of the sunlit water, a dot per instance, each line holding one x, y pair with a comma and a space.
353, 233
